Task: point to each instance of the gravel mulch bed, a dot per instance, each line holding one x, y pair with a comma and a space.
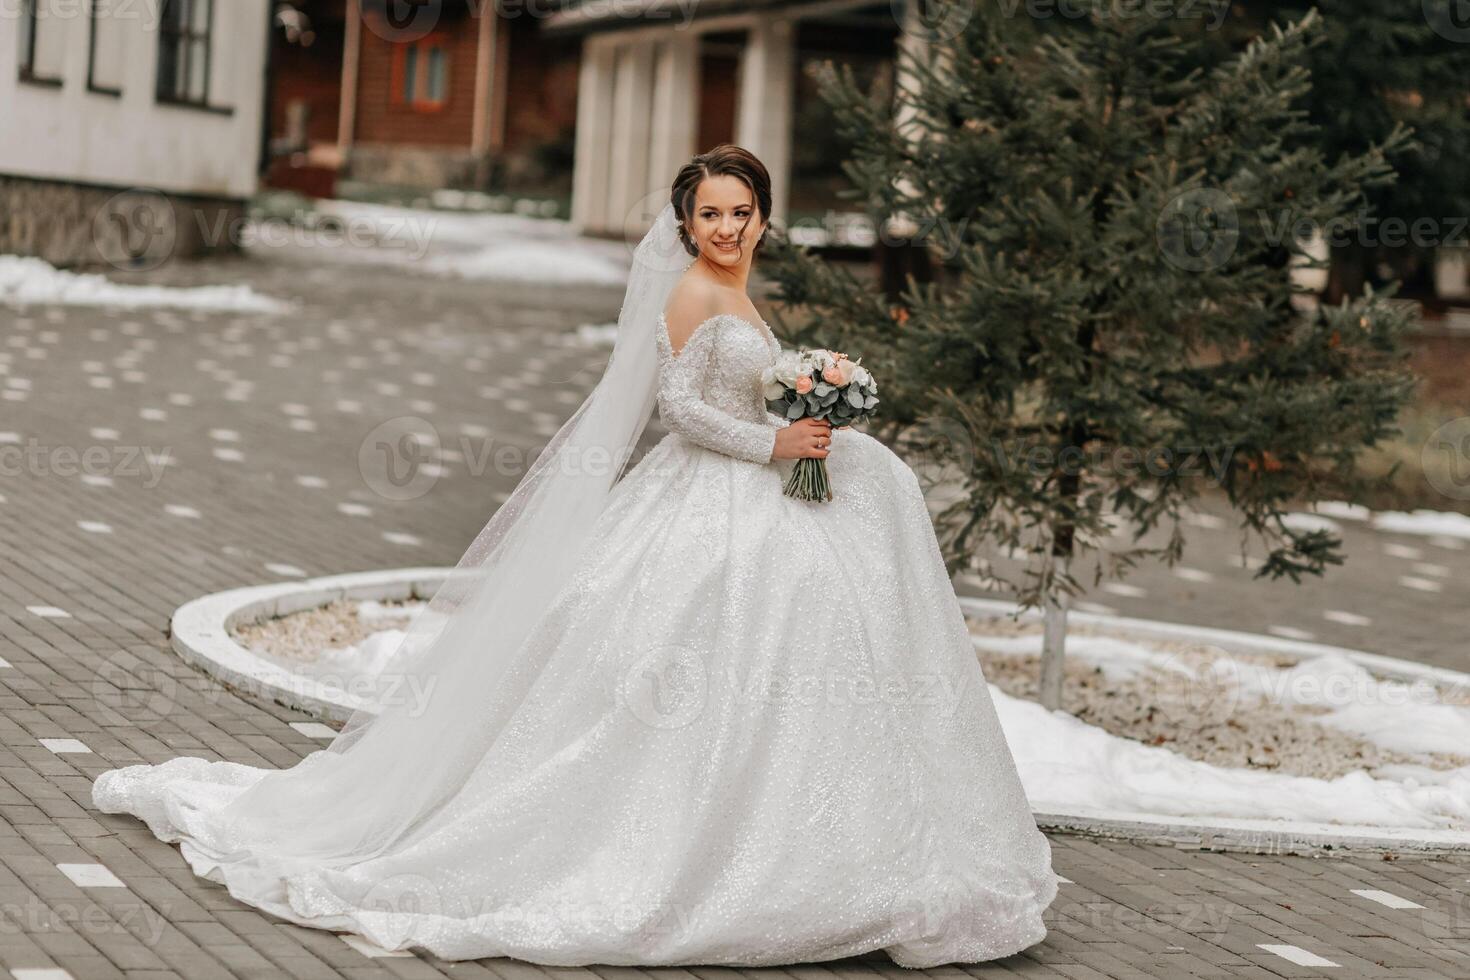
1195, 715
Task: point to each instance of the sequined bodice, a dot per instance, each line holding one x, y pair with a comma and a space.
710, 392
735, 352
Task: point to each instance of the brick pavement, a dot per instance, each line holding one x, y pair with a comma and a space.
263, 418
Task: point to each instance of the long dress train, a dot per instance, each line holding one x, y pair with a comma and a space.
757, 733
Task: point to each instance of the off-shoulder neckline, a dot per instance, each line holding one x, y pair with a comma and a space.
764, 329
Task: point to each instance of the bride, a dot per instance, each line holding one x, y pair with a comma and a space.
675, 717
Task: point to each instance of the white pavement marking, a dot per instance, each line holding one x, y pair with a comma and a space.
401, 537
1193, 574
59, 745
1346, 618
95, 527
313, 482
49, 612
40, 973
228, 455
1124, 589
355, 510
1296, 954
91, 876
1422, 584
1385, 898
1290, 633
281, 568
180, 510
314, 729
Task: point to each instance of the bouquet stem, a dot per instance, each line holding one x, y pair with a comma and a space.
808, 480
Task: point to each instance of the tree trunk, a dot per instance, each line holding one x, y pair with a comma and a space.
896, 262
1348, 272
1054, 646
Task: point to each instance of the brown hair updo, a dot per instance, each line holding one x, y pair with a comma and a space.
725, 160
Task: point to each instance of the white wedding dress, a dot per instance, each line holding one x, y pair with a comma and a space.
756, 733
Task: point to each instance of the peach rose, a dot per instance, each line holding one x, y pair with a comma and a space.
832, 375
803, 384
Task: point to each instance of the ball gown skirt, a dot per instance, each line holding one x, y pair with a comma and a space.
758, 735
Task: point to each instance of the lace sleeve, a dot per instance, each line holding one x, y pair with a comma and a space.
683, 409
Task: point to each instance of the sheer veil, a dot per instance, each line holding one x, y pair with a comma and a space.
461, 670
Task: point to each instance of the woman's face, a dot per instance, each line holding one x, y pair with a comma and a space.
721, 205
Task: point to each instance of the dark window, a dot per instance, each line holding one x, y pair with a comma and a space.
102, 20
184, 50
421, 74
30, 26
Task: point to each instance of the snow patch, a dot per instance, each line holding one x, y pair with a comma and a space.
30, 281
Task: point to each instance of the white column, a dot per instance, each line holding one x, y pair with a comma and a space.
632, 128
766, 101
590, 165
351, 55
675, 113
485, 50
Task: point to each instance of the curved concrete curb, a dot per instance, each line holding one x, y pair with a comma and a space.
201, 633
1253, 836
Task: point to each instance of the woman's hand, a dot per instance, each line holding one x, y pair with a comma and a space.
804, 437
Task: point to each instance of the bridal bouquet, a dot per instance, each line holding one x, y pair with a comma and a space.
822, 384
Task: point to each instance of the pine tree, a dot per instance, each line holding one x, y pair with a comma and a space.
1112, 330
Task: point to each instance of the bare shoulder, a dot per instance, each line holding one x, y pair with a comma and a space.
692, 301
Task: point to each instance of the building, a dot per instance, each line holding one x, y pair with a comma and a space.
661, 81
132, 131
448, 93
